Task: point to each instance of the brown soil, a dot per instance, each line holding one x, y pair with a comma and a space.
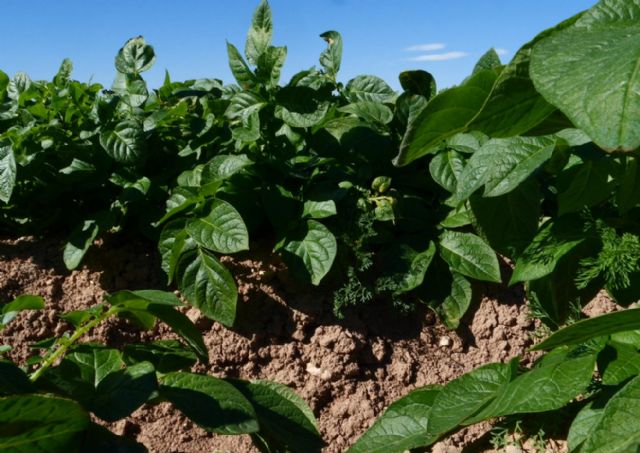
347, 370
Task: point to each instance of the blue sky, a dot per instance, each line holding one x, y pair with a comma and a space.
381, 37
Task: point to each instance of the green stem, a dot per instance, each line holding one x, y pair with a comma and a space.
62, 347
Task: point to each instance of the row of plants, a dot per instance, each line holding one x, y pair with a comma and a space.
404, 197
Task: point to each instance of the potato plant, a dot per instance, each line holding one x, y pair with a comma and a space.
47, 403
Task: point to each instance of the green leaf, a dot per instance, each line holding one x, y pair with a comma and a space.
369, 111
514, 106
9, 310
123, 391
583, 425
39, 423
244, 104
125, 143
285, 420
211, 403
546, 387
622, 364
617, 429
555, 239
446, 114
239, 68
223, 166
135, 57
79, 242
222, 230
469, 255
587, 184
311, 252
331, 57
419, 83
7, 170
369, 88
509, 222
299, 106
165, 355
414, 266
572, 69
259, 36
402, 426
270, 66
13, 380
489, 60
445, 169
457, 302
319, 209
628, 195
587, 329
501, 164
208, 286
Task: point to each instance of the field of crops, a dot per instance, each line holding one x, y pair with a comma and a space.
324, 266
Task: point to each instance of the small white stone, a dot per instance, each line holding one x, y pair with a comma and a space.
313, 370
445, 341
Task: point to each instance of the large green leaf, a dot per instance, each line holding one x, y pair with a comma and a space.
617, 428
469, 255
208, 285
135, 56
7, 170
222, 230
259, 35
270, 65
445, 169
446, 114
311, 252
369, 88
244, 104
212, 403
223, 166
618, 362
587, 329
39, 423
584, 185
286, 422
489, 60
501, 164
589, 70
403, 425
125, 142
369, 111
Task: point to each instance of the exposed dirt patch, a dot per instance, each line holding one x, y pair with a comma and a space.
348, 370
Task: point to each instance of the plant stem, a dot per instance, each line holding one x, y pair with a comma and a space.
62, 347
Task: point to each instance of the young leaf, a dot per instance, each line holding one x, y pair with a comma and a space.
208, 285
319, 209
41, 423
369, 88
419, 83
469, 255
135, 57
311, 253
223, 166
489, 60
222, 230
605, 105
239, 68
331, 57
587, 329
285, 420
212, 403
270, 66
7, 170
79, 242
457, 302
259, 36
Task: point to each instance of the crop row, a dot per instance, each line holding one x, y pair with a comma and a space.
405, 197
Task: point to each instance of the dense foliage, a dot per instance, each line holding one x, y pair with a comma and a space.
405, 197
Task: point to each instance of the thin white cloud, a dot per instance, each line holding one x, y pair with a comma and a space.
501, 51
440, 56
425, 47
